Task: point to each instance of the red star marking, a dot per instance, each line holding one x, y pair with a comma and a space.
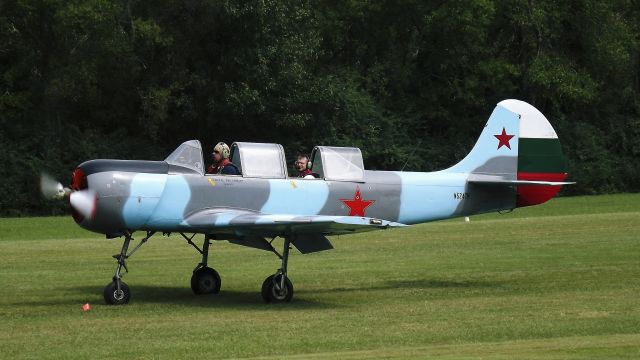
504, 139
356, 205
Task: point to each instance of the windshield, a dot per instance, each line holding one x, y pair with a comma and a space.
188, 155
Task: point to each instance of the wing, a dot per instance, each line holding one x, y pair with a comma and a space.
249, 228
225, 220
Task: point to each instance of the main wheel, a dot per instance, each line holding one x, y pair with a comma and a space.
114, 297
205, 281
273, 292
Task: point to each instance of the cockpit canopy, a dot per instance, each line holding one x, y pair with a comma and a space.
264, 160
259, 160
338, 163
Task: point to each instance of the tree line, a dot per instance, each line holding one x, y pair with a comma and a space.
410, 82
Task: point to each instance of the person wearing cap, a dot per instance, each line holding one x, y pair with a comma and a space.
303, 167
221, 163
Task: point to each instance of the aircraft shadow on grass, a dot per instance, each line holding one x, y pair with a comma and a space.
248, 300
183, 296
426, 284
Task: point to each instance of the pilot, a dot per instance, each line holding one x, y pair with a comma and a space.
221, 163
303, 167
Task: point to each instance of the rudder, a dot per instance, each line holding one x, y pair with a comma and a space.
540, 155
518, 148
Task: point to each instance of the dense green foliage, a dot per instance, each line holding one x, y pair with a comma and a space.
407, 81
557, 281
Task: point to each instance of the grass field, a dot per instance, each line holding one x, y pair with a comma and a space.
558, 281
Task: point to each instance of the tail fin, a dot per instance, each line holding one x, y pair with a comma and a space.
517, 147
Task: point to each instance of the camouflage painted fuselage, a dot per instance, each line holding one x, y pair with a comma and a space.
165, 202
154, 196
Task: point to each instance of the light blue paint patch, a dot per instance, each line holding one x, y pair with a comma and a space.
170, 209
223, 220
144, 193
487, 145
428, 196
273, 219
352, 220
293, 196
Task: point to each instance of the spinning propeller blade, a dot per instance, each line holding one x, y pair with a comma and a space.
51, 188
84, 202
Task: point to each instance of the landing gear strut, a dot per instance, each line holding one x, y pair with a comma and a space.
204, 280
277, 288
117, 292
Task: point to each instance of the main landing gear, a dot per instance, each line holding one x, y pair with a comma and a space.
204, 280
276, 288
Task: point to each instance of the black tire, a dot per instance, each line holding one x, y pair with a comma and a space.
205, 281
271, 293
113, 297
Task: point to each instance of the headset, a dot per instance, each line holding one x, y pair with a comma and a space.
309, 164
223, 149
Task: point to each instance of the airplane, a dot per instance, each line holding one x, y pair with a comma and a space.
517, 161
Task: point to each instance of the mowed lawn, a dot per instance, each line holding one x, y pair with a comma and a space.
558, 281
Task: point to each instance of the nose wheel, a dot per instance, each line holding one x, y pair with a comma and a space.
117, 295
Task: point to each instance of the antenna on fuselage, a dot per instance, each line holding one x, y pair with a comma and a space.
411, 153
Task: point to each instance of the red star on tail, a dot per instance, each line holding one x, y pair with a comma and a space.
356, 205
504, 139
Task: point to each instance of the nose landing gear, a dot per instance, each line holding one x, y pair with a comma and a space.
117, 292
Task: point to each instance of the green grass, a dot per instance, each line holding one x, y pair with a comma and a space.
557, 281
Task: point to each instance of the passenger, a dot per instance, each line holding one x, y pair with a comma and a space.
221, 163
304, 167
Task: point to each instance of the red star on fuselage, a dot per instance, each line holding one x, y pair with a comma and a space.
356, 205
504, 139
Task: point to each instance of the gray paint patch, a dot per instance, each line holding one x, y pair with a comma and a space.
212, 191
113, 192
382, 187
491, 197
506, 166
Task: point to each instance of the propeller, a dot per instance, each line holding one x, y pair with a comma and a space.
83, 201
50, 187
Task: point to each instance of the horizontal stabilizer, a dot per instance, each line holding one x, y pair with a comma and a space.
498, 180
